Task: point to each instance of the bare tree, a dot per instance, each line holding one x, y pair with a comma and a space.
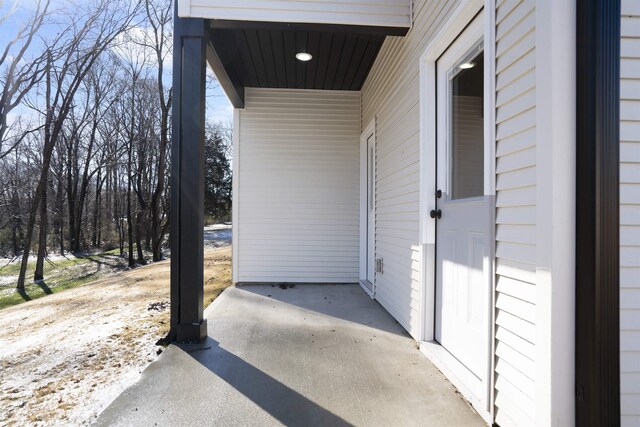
87, 168
158, 41
42, 238
91, 34
20, 75
136, 64
13, 190
98, 98
159, 16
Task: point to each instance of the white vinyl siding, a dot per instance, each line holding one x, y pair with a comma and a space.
391, 95
515, 327
298, 186
630, 213
386, 13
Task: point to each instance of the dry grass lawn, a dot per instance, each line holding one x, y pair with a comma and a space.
66, 356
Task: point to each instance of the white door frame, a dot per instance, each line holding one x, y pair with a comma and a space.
369, 131
453, 369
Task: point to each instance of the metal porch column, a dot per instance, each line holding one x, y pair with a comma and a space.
190, 40
597, 222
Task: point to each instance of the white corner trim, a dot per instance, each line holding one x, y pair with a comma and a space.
235, 190
555, 212
490, 184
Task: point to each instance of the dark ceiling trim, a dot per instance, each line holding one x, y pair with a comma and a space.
597, 357
334, 28
234, 90
267, 58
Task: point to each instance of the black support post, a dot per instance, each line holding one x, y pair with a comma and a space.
190, 40
597, 223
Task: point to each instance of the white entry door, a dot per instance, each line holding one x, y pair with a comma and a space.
461, 211
367, 208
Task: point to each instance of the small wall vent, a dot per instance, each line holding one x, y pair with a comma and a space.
379, 265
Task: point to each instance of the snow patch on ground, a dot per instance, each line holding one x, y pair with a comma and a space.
217, 236
66, 356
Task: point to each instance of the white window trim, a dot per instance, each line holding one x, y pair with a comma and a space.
462, 15
369, 130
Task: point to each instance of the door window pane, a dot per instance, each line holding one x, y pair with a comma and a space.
467, 127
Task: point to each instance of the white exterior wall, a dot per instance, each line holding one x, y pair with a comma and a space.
515, 263
391, 95
533, 326
534, 261
388, 13
297, 217
630, 213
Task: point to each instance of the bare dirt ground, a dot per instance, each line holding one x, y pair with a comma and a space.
65, 357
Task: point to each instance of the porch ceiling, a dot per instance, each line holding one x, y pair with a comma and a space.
264, 55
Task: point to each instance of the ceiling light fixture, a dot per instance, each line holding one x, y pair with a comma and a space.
466, 65
303, 56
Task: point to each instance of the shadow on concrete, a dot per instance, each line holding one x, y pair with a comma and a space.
342, 301
290, 356
280, 401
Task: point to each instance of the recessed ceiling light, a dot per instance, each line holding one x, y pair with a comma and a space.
466, 65
303, 56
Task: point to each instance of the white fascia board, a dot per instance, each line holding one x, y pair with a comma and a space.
389, 13
184, 8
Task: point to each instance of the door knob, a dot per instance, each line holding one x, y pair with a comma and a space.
435, 213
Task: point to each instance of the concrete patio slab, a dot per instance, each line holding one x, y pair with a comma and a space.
308, 355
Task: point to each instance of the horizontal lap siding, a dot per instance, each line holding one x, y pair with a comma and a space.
630, 213
515, 213
391, 13
299, 186
391, 96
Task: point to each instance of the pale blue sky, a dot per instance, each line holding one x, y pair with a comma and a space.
218, 107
